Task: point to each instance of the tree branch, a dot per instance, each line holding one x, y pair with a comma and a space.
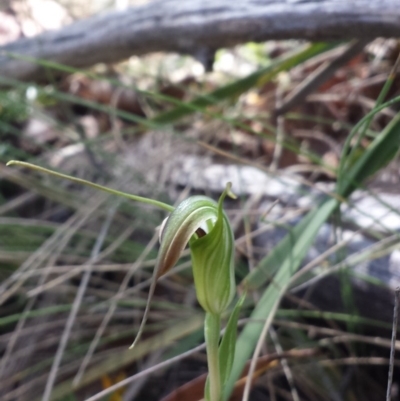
194, 25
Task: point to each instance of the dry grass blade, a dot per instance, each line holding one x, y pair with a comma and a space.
393, 343
284, 362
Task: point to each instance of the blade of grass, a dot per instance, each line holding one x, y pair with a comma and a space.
393, 343
339, 317
49, 310
385, 90
380, 152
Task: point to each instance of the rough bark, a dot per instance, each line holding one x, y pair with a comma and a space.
192, 26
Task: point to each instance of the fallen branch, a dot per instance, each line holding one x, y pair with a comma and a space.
197, 27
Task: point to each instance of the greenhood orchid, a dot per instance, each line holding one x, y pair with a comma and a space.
201, 222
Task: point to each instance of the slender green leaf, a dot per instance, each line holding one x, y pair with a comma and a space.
228, 343
50, 310
367, 123
378, 154
340, 317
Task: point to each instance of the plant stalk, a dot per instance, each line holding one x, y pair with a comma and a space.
212, 328
158, 204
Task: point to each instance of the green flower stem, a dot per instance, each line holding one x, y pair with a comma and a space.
160, 205
212, 328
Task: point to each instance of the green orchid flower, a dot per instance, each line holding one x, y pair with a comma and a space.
201, 222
